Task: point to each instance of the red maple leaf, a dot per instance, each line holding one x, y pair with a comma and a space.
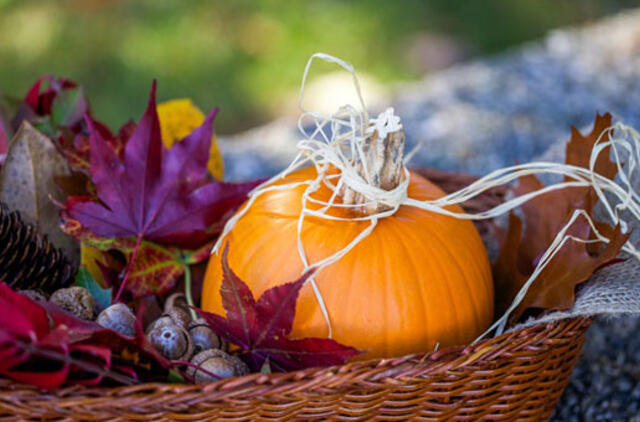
57, 107
261, 328
44, 91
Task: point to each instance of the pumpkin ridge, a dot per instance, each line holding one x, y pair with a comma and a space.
265, 239
414, 269
487, 282
454, 259
387, 277
434, 258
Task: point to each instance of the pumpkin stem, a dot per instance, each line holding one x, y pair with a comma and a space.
382, 164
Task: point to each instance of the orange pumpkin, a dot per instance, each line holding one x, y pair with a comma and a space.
418, 280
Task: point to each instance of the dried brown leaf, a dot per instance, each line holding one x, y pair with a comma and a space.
27, 184
544, 217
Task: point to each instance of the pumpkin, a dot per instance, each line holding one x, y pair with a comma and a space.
419, 280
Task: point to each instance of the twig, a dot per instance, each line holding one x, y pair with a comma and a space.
197, 368
187, 290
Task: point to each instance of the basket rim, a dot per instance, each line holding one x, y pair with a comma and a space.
351, 376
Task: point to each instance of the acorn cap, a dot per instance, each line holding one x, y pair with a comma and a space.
118, 317
215, 364
179, 316
203, 336
176, 300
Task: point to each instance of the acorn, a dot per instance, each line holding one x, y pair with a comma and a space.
215, 364
172, 341
203, 337
175, 316
118, 317
179, 316
176, 307
34, 295
76, 300
162, 321
176, 300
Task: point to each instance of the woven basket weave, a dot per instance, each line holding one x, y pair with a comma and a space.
516, 376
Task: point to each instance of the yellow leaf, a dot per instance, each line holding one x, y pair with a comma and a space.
88, 257
178, 118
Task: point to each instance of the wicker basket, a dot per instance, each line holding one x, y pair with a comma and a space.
516, 376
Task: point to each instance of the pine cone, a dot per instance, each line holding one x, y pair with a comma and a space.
27, 259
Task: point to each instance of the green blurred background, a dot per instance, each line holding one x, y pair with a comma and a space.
248, 55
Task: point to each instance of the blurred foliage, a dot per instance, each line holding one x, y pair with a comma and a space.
246, 55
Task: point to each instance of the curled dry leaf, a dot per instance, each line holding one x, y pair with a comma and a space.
544, 216
27, 184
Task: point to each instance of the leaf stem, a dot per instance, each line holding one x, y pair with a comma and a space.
129, 267
187, 290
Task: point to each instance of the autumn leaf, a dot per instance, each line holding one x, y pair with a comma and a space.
156, 194
101, 295
5, 133
261, 328
77, 148
544, 216
37, 104
28, 184
51, 104
57, 107
133, 356
156, 267
152, 202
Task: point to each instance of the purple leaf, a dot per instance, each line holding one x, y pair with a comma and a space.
161, 195
261, 328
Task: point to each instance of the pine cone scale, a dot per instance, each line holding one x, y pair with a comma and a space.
27, 259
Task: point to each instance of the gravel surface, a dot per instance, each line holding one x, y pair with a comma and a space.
493, 112
605, 385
